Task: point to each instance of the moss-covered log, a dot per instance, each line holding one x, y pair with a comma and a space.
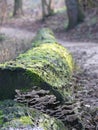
48, 66
14, 116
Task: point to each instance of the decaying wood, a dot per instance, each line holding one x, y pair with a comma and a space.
45, 102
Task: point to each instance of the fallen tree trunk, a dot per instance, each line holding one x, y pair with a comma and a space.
14, 116
48, 66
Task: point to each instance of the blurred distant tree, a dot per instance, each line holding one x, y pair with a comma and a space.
3, 11
75, 13
86, 4
18, 11
47, 7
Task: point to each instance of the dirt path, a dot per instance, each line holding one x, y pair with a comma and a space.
85, 55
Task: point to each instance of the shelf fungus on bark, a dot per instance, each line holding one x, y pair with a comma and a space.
46, 103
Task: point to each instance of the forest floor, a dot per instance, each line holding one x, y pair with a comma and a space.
82, 42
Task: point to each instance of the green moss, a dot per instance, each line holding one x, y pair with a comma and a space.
54, 65
48, 63
44, 35
39, 66
48, 66
52, 124
1, 117
19, 117
25, 120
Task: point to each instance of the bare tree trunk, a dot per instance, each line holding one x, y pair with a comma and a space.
47, 7
43, 8
50, 7
18, 11
3, 11
75, 14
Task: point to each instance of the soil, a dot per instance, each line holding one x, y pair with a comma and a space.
81, 41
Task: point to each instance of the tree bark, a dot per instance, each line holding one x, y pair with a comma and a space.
3, 11
75, 14
18, 11
47, 7
43, 8
50, 7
